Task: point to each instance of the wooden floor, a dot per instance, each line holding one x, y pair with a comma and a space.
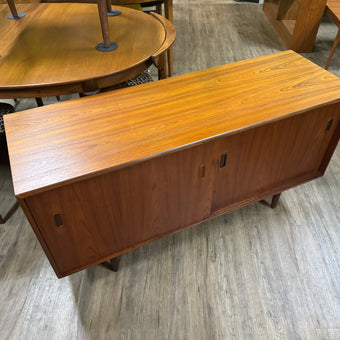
255, 273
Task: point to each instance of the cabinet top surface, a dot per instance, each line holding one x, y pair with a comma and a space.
64, 142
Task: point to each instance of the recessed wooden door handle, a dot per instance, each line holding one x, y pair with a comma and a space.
329, 125
58, 220
201, 172
223, 160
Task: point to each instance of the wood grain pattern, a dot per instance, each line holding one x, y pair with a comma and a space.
165, 195
170, 37
296, 21
87, 219
307, 24
267, 162
288, 10
132, 127
168, 14
333, 10
55, 34
171, 192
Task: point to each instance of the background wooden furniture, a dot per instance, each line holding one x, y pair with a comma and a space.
14, 13
333, 11
101, 175
43, 55
5, 108
104, 7
296, 21
168, 13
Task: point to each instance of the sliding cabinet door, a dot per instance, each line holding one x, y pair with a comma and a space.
184, 185
84, 222
272, 156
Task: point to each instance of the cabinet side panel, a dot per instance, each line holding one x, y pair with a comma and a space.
39, 235
330, 150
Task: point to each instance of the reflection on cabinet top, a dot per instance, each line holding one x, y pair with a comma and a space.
68, 141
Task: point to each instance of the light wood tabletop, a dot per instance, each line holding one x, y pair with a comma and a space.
129, 125
52, 50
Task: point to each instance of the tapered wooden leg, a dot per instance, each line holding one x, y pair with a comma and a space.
170, 58
39, 101
12, 8
113, 264
168, 12
14, 14
106, 45
162, 72
275, 200
336, 41
110, 12
9, 213
108, 5
102, 10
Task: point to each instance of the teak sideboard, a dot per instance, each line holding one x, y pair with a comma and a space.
101, 175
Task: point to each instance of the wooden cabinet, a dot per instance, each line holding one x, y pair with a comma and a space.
297, 21
102, 175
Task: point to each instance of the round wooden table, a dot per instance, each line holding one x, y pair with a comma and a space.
51, 51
